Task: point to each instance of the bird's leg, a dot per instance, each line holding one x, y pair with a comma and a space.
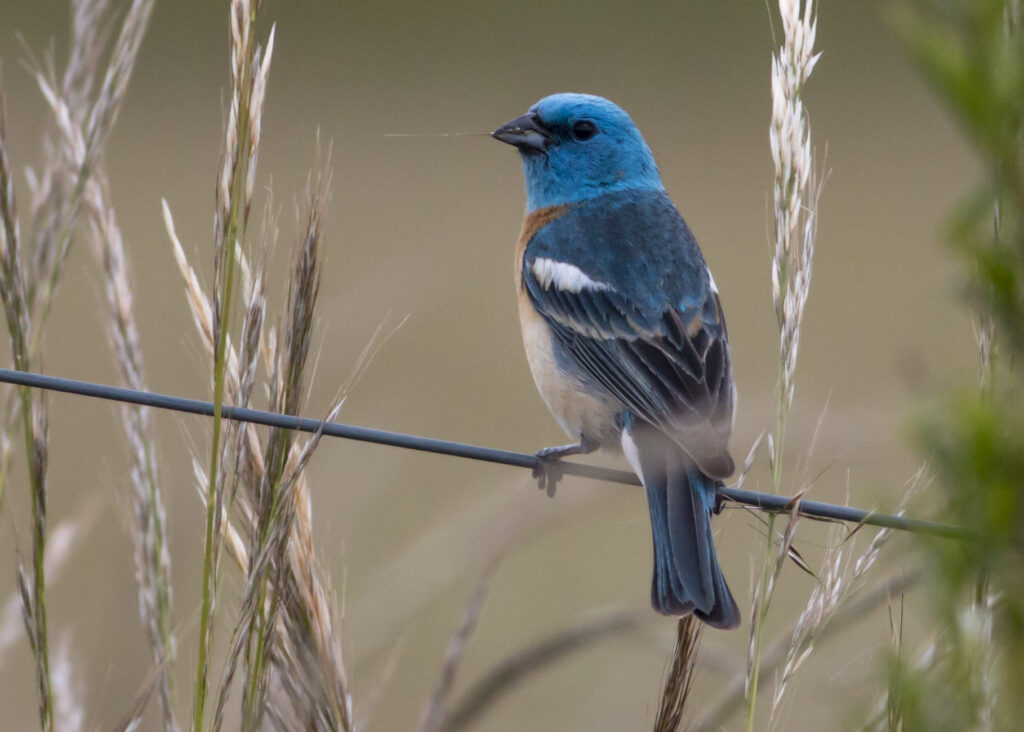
548, 470
719, 503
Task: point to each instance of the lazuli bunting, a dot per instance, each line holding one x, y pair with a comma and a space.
624, 332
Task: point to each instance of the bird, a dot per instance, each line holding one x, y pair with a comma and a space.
624, 332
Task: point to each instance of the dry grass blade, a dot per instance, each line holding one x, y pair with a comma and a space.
436, 712
748, 463
512, 670
680, 675
786, 543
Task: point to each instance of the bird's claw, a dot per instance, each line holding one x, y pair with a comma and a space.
719, 503
548, 470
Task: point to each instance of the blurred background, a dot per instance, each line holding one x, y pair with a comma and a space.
420, 232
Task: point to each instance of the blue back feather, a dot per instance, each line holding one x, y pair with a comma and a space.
635, 241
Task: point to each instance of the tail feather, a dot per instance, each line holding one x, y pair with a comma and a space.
687, 577
666, 586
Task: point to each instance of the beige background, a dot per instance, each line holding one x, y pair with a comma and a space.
423, 228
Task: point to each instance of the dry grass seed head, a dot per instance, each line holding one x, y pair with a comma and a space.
680, 677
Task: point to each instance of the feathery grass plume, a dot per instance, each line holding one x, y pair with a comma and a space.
275, 500
795, 191
71, 153
250, 66
73, 172
286, 633
795, 194
85, 144
52, 191
680, 675
152, 558
33, 414
848, 614
53, 203
83, 129
842, 575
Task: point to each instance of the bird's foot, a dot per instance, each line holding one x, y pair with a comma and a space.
719, 502
548, 470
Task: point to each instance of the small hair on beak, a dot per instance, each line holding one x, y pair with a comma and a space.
526, 133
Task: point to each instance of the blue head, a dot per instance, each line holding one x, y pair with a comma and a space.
576, 147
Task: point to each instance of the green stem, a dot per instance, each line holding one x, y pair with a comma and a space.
205, 631
234, 226
220, 367
234, 229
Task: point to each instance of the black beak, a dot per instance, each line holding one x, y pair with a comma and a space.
526, 133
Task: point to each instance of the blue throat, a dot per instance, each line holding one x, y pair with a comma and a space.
546, 185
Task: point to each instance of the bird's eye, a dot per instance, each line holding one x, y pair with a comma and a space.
584, 130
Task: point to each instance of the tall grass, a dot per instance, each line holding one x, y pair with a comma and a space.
250, 65
294, 671
284, 665
149, 525
30, 270
82, 129
795, 195
32, 587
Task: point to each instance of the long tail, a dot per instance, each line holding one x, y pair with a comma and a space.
687, 577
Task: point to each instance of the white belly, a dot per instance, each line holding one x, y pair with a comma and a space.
581, 406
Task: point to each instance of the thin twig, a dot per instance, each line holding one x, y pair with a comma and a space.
817, 510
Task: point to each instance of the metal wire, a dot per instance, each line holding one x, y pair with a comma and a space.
763, 501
